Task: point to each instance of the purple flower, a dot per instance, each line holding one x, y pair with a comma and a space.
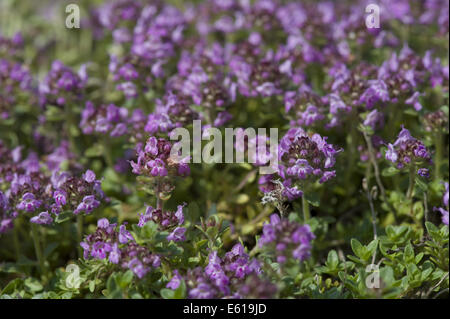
100, 249
424, 172
138, 268
407, 151
155, 159
286, 239
374, 119
124, 235
89, 176
29, 203
6, 224
414, 100
114, 255
60, 197
43, 218
377, 91
103, 223
61, 85
175, 282
305, 157
177, 234
88, 204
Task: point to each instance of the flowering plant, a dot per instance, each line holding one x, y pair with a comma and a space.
347, 199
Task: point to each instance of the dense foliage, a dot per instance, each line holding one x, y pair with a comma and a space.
93, 206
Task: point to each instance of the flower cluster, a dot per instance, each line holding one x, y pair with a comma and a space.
305, 158
62, 85
307, 107
104, 119
11, 47
166, 220
6, 220
14, 80
119, 247
170, 112
82, 195
224, 277
31, 189
257, 147
286, 239
154, 159
436, 121
408, 151
148, 42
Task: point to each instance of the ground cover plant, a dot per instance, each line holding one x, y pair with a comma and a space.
94, 205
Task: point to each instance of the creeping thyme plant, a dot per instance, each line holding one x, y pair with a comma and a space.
93, 204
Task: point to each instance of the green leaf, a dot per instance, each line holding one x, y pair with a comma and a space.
357, 247
125, 279
332, 260
167, 293
95, 150
92, 286
408, 255
421, 184
372, 247
33, 284
312, 198
389, 171
12, 286
64, 216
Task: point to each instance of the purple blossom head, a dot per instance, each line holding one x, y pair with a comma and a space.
117, 245
306, 157
43, 218
407, 151
29, 203
286, 239
175, 282
155, 160
177, 234
61, 85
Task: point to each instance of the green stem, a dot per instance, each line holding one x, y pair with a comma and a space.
412, 175
38, 248
305, 206
80, 234
376, 170
71, 126
16, 241
438, 157
107, 152
159, 202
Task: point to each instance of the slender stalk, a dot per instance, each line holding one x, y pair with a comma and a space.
412, 175
376, 169
159, 202
305, 206
79, 234
425, 205
374, 215
16, 241
38, 248
107, 151
438, 156
70, 122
